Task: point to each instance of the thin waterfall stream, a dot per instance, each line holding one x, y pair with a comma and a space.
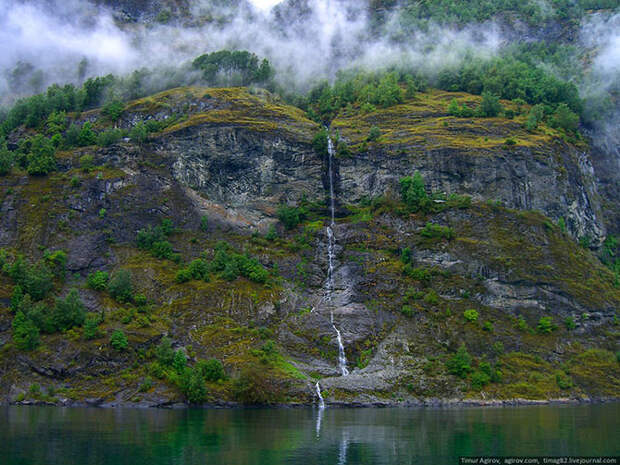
331, 243
318, 393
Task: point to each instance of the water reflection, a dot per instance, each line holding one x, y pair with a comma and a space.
39, 435
319, 419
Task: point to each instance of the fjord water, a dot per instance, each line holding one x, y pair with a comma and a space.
51, 435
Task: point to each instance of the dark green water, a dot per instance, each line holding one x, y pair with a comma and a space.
49, 435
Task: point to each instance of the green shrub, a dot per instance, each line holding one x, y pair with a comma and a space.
479, 379
140, 300
87, 136
419, 274
460, 363
39, 314
98, 280
119, 341
374, 134
183, 276
413, 294
7, 159
69, 312
487, 326
564, 118
563, 380
154, 239
272, 234
211, 370
162, 249
570, 324
535, 117
230, 265
34, 279
510, 141
56, 122
57, 260
320, 143
146, 384
17, 297
367, 108
522, 325
204, 223
25, 333
199, 269
453, 108
545, 325
490, 105
254, 386
120, 286
407, 311
41, 156
437, 231
193, 386
113, 110
139, 133
471, 315
179, 361
109, 137
164, 352
414, 194
498, 347
406, 256
291, 216
431, 297
87, 163
91, 327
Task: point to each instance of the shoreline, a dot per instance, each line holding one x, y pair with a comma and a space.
419, 404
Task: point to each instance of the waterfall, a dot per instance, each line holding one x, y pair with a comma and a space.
331, 255
318, 393
342, 358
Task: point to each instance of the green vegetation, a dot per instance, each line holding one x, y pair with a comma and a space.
414, 15
435, 231
211, 370
98, 280
545, 325
460, 363
91, 327
324, 101
414, 194
374, 134
227, 264
120, 286
236, 68
119, 341
291, 216
68, 312
471, 315
25, 333
35, 279
155, 240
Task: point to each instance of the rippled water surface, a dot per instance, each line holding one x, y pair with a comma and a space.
50, 435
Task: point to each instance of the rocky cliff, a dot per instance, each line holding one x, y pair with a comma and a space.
494, 283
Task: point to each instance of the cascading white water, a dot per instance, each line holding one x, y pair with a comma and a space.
342, 357
331, 242
318, 393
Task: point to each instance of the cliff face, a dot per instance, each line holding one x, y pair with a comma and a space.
401, 289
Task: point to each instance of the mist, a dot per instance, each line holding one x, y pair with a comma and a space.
601, 86
57, 39
53, 41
